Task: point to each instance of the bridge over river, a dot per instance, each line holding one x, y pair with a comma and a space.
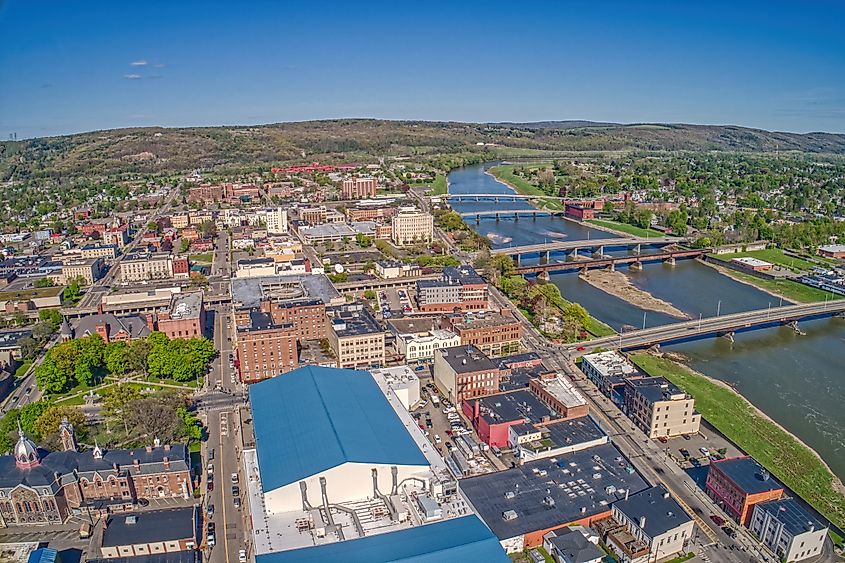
724, 325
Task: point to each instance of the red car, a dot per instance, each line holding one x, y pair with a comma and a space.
581, 348
718, 520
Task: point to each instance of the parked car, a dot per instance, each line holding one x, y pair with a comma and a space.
236, 491
685, 453
704, 451
718, 520
237, 502
242, 556
663, 439
437, 439
211, 540
210, 510
235, 478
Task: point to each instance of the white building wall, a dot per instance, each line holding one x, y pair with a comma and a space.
345, 483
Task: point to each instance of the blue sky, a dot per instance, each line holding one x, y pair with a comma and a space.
77, 66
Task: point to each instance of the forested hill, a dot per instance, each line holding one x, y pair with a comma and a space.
160, 150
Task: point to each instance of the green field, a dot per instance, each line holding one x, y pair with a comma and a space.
522, 186
791, 290
202, 257
626, 228
787, 458
438, 186
773, 255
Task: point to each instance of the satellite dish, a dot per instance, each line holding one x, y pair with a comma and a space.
338, 268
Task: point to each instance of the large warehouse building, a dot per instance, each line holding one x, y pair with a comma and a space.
338, 458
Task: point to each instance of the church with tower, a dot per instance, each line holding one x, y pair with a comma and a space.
41, 487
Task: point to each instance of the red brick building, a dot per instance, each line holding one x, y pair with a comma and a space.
738, 483
358, 188
184, 318
580, 212
265, 349
495, 334
205, 193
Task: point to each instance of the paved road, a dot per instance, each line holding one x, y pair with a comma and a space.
587, 243
648, 458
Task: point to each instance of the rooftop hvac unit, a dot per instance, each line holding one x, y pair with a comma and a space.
509, 495
508, 515
549, 501
132, 519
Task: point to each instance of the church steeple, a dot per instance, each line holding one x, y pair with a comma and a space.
67, 435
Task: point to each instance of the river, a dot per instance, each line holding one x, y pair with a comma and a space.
795, 379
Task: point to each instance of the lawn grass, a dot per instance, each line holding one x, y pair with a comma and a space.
21, 370
779, 452
773, 255
598, 328
438, 186
626, 228
202, 257
505, 174
791, 290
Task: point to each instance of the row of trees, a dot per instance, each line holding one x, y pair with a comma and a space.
86, 361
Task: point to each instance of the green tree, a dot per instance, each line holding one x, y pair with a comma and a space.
30, 347
42, 331
117, 400
30, 414
51, 378
44, 282
52, 317
363, 240
369, 294
116, 358
193, 426
9, 429
48, 421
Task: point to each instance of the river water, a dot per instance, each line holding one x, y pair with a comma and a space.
795, 379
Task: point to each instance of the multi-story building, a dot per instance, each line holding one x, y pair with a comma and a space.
141, 266
276, 220
313, 215
117, 235
39, 487
205, 193
184, 318
355, 337
197, 218
306, 316
358, 188
180, 220
460, 289
422, 348
559, 394
738, 483
647, 526
97, 250
88, 269
369, 213
110, 327
495, 334
792, 531
464, 372
412, 226
392, 269
609, 370
149, 534
265, 349
660, 408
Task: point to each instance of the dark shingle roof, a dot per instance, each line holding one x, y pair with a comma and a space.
660, 510
150, 526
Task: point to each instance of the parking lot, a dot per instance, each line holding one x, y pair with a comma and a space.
699, 448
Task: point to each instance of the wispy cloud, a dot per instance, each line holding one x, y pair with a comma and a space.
132, 76
160, 65
140, 62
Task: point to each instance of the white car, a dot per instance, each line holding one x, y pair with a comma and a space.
437, 438
704, 451
211, 541
242, 556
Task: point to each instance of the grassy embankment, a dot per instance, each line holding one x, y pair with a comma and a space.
785, 456
789, 289
438, 186
626, 228
22, 369
505, 174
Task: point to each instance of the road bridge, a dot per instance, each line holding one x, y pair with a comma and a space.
597, 246
515, 213
514, 197
723, 325
636, 261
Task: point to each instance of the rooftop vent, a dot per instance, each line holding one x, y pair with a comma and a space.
509, 495
132, 519
509, 515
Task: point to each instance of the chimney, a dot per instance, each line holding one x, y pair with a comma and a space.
167, 447
151, 321
642, 522
149, 449
166, 462
137, 465
103, 331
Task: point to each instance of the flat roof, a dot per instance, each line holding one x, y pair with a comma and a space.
755, 262
186, 305
464, 274
747, 474
191, 556
10, 338
516, 405
796, 518
249, 292
353, 320
573, 431
413, 325
457, 539
655, 389
519, 378
150, 526
581, 484
563, 390
833, 248
483, 319
519, 358
611, 363
314, 418
659, 508
467, 359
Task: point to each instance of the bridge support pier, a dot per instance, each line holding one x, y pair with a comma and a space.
598, 252
730, 336
636, 266
478, 219
543, 276
548, 256
794, 326
575, 254
612, 267
497, 217
638, 249
670, 261
518, 260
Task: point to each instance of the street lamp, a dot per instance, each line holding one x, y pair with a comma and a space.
644, 314
719, 308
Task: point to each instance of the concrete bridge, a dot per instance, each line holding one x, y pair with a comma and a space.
515, 213
513, 197
596, 245
636, 262
724, 325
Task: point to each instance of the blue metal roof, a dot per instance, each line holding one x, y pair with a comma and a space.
459, 539
44, 555
314, 418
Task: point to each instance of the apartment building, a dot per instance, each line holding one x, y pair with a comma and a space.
791, 530
265, 349
313, 215
355, 337
464, 372
369, 213
738, 483
141, 266
358, 188
306, 316
495, 334
609, 371
660, 408
416, 348
647, 526
412, 226
460, 289
97, 250
276, 220
87, 269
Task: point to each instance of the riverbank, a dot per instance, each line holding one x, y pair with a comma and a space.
781, 452
617, 284
624, 229
789, 290
504, 174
